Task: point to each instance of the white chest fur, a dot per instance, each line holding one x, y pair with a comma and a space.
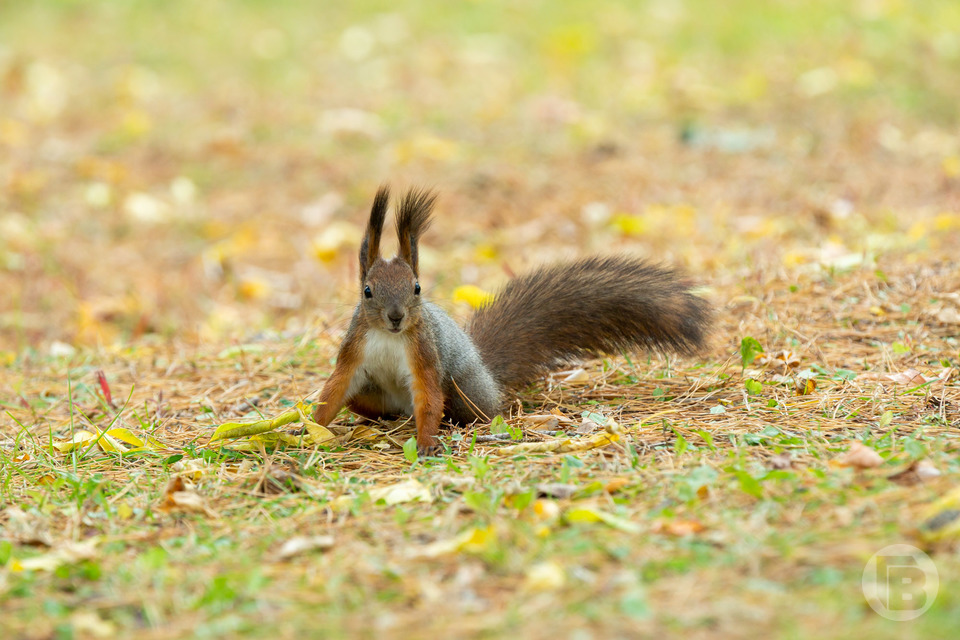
385, 370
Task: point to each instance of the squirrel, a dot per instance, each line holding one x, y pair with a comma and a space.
403, 355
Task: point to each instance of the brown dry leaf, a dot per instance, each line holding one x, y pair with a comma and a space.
587, 426
781, 462
678, 527
177, 498
910, 377
615, 485
917, 472
806, 387
784, 359
302, 544
546, 421
859, 456
364, 433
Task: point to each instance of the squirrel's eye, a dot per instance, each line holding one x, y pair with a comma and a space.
416, 289
367, 293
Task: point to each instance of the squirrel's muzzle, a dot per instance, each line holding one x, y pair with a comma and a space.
395, 317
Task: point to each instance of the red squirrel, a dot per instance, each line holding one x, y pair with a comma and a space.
403, 355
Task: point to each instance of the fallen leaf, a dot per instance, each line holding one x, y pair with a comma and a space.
589, 514
67, 553
859, 456
575, 376
472, 540
910, 377
917, 472
472, 295
615, 485
546, 510
405, 491
564, 445
680, 528
302, 544
941, 519
88, 624
230, 430
193, 468
177, 498
544, 576
780, 462
784, 359
556, 490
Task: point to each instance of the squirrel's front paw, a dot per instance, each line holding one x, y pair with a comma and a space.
427, 447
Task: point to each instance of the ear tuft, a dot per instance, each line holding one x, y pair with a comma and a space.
413, 218
370, 247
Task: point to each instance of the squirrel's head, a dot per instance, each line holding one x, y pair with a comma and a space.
389, 290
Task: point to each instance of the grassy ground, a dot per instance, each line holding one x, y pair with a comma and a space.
182, 187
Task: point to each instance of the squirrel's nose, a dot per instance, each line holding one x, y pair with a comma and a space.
395, 317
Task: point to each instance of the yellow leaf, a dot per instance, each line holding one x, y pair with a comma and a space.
486, 253
472, 295
319, 434
405, 491
80, 439
946, 221
110, 444
125, 435
326, 246
124, 511
545, 576
241, 429
941, 519
564, 445
951, 166
472, 540
425, 147
253, 288
589, 514
629, 225
135, 123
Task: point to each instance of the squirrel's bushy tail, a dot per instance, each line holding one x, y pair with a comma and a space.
586, 308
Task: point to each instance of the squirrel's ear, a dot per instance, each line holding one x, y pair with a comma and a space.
413, 218
370, 247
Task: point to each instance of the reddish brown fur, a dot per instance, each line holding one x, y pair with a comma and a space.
427, 391
332, 396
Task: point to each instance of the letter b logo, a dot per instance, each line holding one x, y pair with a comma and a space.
900, 582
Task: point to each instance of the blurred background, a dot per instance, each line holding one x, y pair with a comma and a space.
201, 171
